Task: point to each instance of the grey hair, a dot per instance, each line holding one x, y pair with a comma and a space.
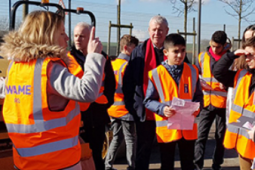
159, 19
84, 25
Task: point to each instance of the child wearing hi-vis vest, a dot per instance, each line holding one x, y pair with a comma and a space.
173, 78
243, 103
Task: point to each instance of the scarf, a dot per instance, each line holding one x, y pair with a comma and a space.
216, 56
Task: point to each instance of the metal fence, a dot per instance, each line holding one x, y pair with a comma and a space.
108, 12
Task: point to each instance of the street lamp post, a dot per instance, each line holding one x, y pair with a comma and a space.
199, 27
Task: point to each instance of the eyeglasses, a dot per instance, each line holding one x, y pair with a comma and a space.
249, 55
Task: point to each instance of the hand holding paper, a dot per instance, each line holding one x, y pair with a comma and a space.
183, 118
184, 107
168, 111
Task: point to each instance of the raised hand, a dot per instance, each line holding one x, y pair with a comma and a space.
240, 52
94, 44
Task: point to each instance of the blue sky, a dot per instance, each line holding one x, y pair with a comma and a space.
213, 15
140, 11
213, 11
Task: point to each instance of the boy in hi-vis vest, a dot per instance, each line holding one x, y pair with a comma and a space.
122, 122
173, 78
215, 97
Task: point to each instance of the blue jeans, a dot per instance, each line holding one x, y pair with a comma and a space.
122, 129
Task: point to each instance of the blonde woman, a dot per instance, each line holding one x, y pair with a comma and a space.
40, 109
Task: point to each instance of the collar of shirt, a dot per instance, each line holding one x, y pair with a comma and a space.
157, 47
124, 56
174, 70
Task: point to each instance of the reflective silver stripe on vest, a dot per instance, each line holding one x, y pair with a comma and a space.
235, 107
119, 87
233, 129
212, 92
240, 76
202, 59
194, 78
244, 133
47, 148
242, 111
39, 124
9, 67
158, 85
248, 113
161, 123
239, 131
161, 95
118, 103
239, 109
212, 79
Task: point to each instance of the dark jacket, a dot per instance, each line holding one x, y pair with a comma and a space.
133, 82
97, 114
222, 73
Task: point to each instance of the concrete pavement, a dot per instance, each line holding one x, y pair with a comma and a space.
231, 161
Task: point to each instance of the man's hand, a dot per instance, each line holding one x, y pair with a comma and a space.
204, 85
168, 111
86, 151
222, 86
94, 44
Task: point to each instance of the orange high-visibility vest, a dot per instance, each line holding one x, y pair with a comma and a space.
167, 90
42, 139
118, 108
243, 105
216, 97
74, 67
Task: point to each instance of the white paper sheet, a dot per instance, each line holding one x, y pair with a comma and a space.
183, 118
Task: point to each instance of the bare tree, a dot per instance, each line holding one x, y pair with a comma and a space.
188, 7
242, 9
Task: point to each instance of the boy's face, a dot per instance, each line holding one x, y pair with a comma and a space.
175, 54
216, 47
